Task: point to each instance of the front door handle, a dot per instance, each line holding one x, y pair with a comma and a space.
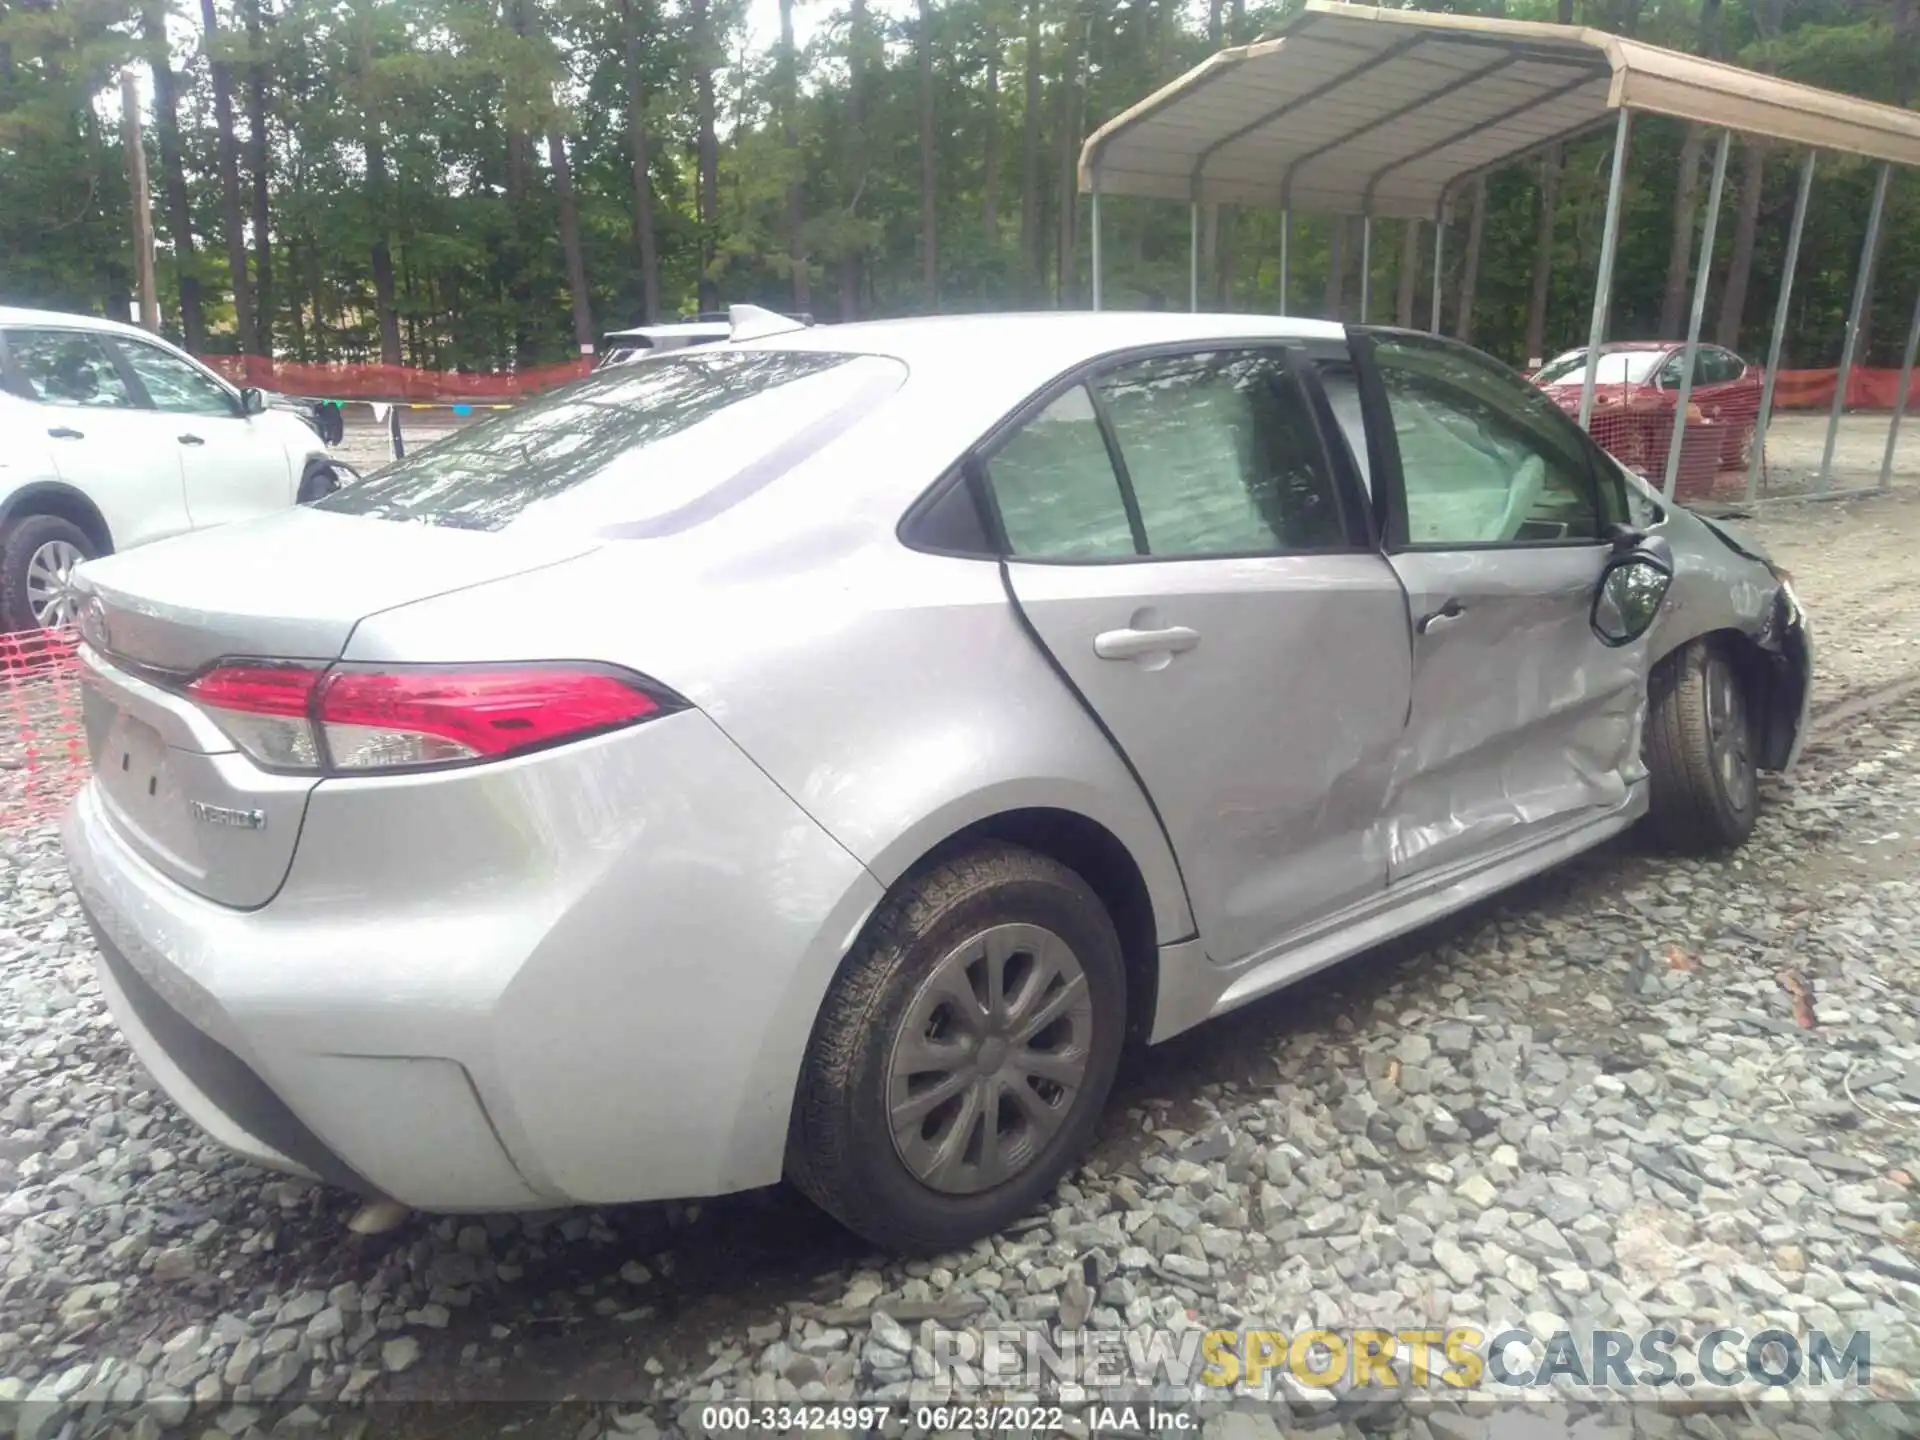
66, 432
1452, 610
1132, 644
191, 439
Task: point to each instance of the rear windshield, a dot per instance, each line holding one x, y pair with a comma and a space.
650, 445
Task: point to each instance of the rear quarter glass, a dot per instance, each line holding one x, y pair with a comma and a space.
654, 443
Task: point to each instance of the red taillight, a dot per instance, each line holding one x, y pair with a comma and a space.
375, 718
357, 718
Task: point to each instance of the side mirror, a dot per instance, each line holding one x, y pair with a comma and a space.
253, 402
1631, 591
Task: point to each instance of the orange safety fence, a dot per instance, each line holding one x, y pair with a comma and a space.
1866, 389
390, 382
43, 745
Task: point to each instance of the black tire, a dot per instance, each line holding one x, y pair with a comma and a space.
18, 542
1700, 747
320, 481
841, 1151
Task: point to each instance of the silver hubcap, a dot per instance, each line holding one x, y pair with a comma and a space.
50, 583
1728, 742
989, 1058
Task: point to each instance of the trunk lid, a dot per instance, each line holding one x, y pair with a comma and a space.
291, 586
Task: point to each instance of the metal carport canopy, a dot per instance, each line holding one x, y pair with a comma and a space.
1357, 109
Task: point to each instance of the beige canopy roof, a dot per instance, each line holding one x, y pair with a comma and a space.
1355, 108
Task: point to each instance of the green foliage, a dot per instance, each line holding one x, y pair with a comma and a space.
411, 175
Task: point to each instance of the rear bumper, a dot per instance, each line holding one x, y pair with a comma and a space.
585, 976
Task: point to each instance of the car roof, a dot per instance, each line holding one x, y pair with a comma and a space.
1035, 345
19, 315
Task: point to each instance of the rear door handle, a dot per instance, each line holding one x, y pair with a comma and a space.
1132, 644
1452, 610
65, 432
191, 439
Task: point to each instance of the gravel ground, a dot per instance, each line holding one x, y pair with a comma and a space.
1634, 1091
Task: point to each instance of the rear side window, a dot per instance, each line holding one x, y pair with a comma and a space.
1223, 456
645, 444
1058, 495
68, 367
1218, 454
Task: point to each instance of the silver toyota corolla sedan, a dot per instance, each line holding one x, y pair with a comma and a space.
818, 756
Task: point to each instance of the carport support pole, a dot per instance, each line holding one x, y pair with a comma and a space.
1603, 282
1900, 400
1862, 287
1193, 258
1780, 317
1366, 265
1692, 349
1439, 239
1286, 236
1094, 218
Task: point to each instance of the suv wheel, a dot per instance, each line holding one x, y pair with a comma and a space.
964, 1053
37, 556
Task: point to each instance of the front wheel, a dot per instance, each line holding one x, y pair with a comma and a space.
320, 481
964, 1052
1700, 748
37, 557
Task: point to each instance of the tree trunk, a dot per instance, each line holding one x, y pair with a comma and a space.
929, 166
789, 69
570, 241
1686, 202
708, 150
173, 174
1336, 266
1066, 128
1409, 273
990, 167
1673, 299
381, 255
1536, 338
229, 166
1470, 265
851, 285
259, 160
1030, 159
1210, 216
1733, 299
644, 238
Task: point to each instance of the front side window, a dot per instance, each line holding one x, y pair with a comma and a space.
1485, 457
67, 367
647, 443
1223, 456
173, 385
1616, 367
1055, 487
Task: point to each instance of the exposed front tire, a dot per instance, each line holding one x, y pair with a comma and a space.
319, 481
963, 1055
37, 556
1700, 751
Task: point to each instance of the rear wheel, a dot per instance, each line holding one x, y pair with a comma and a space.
1700, 749
37, 556
964, 1052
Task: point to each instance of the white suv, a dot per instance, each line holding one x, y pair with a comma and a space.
110, 438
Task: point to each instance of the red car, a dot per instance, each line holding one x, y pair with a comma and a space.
1634, 393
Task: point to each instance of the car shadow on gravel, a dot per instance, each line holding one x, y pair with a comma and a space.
724, 1266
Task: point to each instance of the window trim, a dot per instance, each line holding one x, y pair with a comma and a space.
1383, 449
1295, 355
